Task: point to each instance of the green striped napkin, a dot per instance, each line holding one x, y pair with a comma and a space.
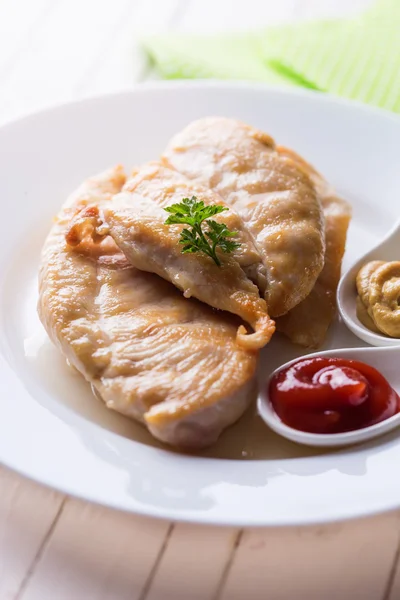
198, 57
358, 58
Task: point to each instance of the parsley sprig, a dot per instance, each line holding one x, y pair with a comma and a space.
196, 214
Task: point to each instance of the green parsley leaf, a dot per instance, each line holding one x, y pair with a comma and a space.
195, 213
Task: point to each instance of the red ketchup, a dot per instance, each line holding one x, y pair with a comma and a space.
332, 395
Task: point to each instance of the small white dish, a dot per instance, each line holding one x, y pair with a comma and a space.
388, 249
53, 430
386, 360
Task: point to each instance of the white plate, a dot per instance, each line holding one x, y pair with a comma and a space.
53, 430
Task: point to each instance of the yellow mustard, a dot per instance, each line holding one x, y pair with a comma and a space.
378, 302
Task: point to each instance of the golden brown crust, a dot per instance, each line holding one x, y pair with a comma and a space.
136, 221
271, 192
307, 324
171, 363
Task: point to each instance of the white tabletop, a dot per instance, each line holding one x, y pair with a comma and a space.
58, 548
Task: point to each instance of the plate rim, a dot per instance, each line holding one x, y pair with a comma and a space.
167, 513
292, 90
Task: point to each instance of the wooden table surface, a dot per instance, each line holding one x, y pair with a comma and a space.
58, 548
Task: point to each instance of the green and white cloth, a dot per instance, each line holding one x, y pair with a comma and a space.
355, 58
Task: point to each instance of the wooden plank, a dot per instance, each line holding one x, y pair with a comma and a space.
317, 9
347, 560
96, 553
122, 62
210, 16
192, 564
18, 19
62, 48
225, 15
80, 49
27, 513
392, 591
